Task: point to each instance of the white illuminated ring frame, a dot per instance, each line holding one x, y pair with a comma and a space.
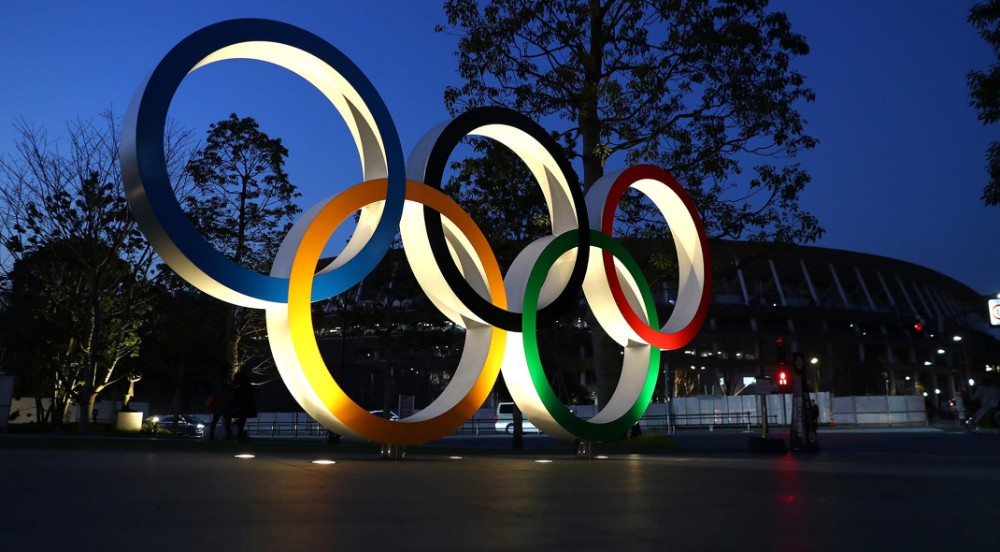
546, 272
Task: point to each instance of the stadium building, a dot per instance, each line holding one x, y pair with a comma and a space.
866, 325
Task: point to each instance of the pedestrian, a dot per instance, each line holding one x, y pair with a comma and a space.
988, 397
219, 401
244, 403
814, 412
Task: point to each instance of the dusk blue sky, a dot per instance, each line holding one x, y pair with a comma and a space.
899, 170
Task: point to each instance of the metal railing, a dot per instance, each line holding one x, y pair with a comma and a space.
301, 425
711, 420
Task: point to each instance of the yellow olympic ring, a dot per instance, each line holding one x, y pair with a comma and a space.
297, 352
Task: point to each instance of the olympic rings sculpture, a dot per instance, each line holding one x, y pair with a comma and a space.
448, 253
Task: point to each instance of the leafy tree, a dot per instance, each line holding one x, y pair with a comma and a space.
76, 263
503, 198
703, 88
244, 206
181, 351
984, 87
74, 318
33, 332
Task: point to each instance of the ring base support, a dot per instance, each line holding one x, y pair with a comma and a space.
585, 450
392, 452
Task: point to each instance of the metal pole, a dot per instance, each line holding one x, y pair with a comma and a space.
763, 414
784, 410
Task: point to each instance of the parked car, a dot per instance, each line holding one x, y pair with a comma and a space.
179, 424
503, 421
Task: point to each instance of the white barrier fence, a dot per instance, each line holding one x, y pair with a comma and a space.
709, 411
706, 411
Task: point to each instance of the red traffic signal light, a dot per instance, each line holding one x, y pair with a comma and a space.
782, 379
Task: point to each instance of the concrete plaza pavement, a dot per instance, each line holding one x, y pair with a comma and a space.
926, 490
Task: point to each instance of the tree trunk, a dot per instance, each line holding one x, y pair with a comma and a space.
60, 407
607, 360
232, 342
87, 410
57, 410
41, 414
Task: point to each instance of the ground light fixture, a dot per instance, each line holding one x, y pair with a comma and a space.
244, 456
454, 457
324, 462
543, 461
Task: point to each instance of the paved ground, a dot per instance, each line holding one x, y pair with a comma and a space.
900, 490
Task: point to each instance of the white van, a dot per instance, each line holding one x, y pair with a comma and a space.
503, 421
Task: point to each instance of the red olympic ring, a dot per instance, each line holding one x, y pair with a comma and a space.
675, 338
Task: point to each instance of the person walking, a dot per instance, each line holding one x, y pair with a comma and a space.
244, 402
219, 401
988, 397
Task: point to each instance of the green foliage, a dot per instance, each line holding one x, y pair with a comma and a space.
500, 194
76, 295
183, 348
244, 205
702, 88
243, 202
984, 90
63, 311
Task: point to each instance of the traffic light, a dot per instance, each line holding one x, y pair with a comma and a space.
779, 351
783, 380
